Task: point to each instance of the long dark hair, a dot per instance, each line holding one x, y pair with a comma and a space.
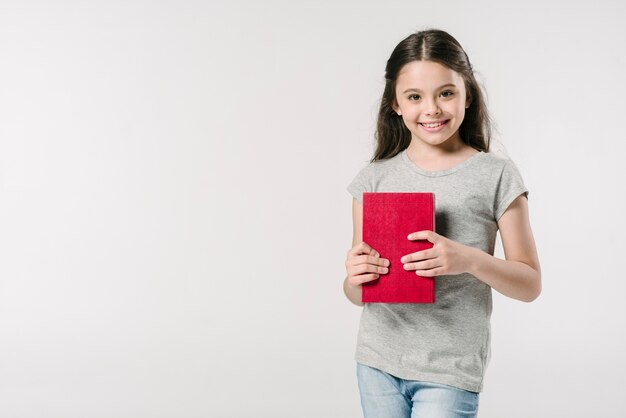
392, 135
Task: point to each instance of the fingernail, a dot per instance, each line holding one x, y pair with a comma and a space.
386, 262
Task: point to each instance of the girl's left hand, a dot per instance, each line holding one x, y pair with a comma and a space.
445, 257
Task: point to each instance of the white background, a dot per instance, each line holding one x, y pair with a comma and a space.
174, 220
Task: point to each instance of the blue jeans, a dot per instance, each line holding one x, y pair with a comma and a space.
387, 396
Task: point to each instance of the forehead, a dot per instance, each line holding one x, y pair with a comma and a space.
427, 74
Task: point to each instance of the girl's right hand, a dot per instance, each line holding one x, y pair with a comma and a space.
364, 264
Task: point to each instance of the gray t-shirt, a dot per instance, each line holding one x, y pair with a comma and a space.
449, 341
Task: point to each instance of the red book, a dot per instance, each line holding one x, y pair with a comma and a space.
388, 218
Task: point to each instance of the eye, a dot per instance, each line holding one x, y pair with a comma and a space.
414, 97
447, 93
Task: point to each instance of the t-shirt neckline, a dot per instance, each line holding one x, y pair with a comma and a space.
439, 173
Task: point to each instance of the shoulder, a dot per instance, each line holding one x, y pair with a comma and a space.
509, 184
370, 175
496, 165
496, 159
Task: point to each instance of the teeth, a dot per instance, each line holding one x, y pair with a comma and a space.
432, 125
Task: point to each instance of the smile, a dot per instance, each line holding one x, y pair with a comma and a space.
433, 126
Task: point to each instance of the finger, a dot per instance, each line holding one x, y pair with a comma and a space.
359, 280
365, 267
365, 248
430, 273
368, 259
379, 261
360, 248
424, 235
374, 253
419, 255
367, 278
354, 259
422, 265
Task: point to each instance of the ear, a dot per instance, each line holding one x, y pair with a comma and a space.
395, 107
468, 102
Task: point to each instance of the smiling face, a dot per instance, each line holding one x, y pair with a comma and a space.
431, 99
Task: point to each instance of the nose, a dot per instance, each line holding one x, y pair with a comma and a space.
432, 107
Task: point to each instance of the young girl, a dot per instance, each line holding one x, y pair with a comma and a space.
429, 360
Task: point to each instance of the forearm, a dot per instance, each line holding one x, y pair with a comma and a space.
354, 294
514, 279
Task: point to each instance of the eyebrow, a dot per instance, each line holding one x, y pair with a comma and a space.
438, 88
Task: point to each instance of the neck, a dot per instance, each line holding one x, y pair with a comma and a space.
450, 147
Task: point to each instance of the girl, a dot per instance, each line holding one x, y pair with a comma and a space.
433, 134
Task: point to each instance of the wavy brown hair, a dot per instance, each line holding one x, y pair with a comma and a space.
392, 135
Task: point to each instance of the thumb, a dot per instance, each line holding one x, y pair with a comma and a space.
424, 235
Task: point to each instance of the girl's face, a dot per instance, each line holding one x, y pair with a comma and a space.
431, 99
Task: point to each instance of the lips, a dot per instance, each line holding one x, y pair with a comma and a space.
434, 124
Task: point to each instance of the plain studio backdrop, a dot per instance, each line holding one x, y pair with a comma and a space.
174, 219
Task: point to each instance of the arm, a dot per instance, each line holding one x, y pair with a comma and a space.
518, 277
354, 293
363, 263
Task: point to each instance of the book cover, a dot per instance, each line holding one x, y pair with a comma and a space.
388, 218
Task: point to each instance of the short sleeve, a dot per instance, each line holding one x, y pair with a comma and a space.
510, 186
360, 184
